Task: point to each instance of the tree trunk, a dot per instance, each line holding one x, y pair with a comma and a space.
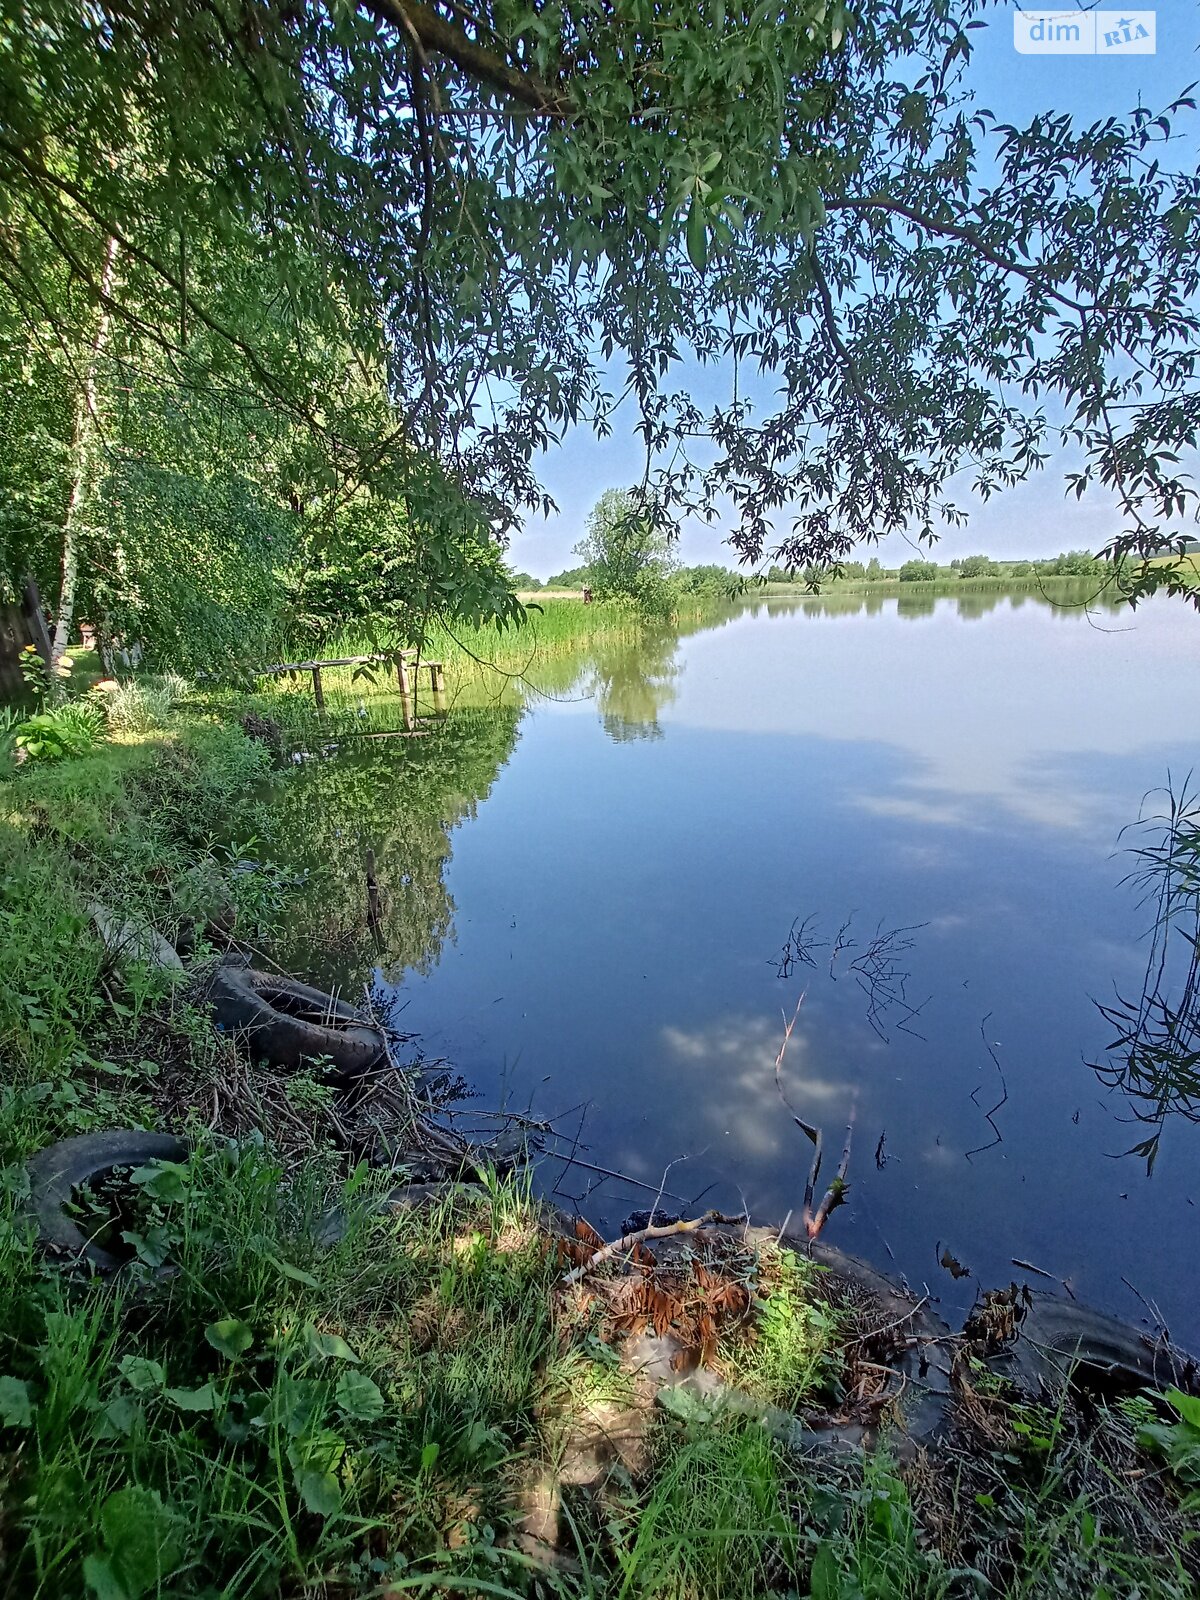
85, 427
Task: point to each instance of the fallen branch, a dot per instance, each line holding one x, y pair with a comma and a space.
836, 1191
628, 1240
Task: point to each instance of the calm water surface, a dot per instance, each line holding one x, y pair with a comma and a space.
588, 894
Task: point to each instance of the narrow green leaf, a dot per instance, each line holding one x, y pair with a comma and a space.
697, 235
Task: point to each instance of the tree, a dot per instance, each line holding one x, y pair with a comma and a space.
977, 567
628, 555
918, 572
490, 210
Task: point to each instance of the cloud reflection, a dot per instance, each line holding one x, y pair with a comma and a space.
729, 1065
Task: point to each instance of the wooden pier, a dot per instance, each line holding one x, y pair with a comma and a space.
407, 662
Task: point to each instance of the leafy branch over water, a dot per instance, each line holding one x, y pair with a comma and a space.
1154, 1056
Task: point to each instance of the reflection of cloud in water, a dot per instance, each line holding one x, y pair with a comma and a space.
997, 714
733, 1060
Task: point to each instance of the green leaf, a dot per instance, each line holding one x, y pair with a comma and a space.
697, 235
328, 1345
118, 1417
429, 1455
1187, 1405
102, 1580
204, 1398
165, 1180
15, 1408
297, 1275
319, 1491
358, 1396
230, 1336
141, 1374
144, 1544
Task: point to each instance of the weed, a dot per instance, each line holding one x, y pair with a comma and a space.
788, 1353
712, 1523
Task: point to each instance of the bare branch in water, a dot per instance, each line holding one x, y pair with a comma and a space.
990, 1115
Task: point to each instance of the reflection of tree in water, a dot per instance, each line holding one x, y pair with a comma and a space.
1154, 1057
633, 681
922, 600
399, 798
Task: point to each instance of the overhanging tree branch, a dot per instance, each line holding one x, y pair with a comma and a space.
443, 38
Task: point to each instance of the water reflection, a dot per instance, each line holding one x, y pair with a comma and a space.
1154, 1058
633, 682
400, 801
608, 928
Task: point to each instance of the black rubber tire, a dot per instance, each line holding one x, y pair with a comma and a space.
1060, 1339
289, 1023
56, 1172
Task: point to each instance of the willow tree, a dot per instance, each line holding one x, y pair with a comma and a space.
522, 215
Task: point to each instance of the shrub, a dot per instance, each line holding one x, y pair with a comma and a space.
143, 704
918, 572
70, 730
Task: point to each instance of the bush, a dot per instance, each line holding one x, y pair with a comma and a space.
918, 572
143, 704
65, 731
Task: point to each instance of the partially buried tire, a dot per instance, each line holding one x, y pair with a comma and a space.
289, 1023
59, 1172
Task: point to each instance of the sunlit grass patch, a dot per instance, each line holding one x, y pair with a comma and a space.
712, 1521
789, 1347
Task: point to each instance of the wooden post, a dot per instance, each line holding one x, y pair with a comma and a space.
402, 676
437, 677
406, 705
318, 692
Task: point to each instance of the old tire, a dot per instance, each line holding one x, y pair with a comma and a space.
288, 1023
58, 1171
1060, 1340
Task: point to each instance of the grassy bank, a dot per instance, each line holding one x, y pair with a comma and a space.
410, 1400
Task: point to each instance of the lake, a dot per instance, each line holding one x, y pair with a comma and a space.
606, 891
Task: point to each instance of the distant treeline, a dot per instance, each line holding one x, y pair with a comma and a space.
1070, 564
714, 579
705, 579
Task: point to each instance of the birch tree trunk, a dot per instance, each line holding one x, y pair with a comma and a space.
85, 428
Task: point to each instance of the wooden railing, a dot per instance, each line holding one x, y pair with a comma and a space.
406, 661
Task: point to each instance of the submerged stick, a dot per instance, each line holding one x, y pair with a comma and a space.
628, 1240
836, 1191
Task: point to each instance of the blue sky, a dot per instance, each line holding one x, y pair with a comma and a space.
1033, 519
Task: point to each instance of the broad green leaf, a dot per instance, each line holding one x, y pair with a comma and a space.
429, 1455
165, 1180
144, 1544
230, 1336
1187, 1405
329, 1345
320, 1491
358, 1396
100, 1578
142, 1374
204, 1398
15, 1408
